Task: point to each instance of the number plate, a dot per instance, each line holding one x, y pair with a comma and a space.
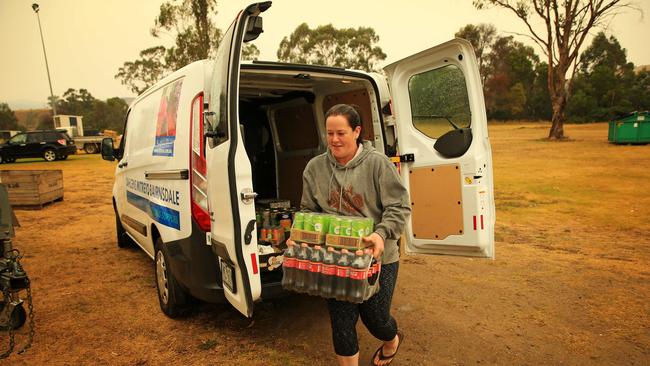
228, 276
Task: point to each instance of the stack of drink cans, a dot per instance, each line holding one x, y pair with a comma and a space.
349, 274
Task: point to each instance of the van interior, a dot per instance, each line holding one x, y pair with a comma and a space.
281, 114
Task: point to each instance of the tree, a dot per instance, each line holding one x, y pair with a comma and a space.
190, 24
97, 114
604, 86
565, 26
481, 37
8, 120
510, 74
140, 74
329, 46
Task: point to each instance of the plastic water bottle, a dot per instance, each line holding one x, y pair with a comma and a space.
358, 278
289, 267
302, 270
315, 267
342, 276
328, 274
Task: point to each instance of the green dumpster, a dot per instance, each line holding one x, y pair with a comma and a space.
631, 129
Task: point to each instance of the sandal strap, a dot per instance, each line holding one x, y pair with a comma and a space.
380, 351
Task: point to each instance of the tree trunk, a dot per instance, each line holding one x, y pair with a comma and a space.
557, 126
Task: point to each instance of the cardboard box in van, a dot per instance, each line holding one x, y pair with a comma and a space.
207, 143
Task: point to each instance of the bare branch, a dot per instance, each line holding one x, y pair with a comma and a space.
523, 17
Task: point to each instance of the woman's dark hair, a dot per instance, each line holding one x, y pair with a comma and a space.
350, 113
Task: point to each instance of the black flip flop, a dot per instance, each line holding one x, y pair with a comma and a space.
380, 352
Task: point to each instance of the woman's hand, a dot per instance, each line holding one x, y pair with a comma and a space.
377, 244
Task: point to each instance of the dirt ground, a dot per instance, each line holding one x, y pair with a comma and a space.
570, 284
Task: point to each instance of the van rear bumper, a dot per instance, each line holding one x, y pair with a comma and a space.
195, 267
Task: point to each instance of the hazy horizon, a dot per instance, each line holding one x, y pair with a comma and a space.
87, 41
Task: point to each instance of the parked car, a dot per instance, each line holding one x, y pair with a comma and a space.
49, 144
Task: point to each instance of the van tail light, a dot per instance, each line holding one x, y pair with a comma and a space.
198, 170
62, 142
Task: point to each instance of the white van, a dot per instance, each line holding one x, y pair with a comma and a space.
204, 145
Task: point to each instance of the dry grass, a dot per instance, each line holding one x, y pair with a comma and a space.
570, 284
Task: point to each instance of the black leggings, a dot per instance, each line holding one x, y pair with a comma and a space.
375, 315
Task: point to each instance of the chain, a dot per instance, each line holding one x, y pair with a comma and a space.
12, 341
30, 304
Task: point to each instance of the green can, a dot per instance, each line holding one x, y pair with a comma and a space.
359, 228
346, 227
370, 225
320, 223
308, 222
335, 226
326, 224
299, 221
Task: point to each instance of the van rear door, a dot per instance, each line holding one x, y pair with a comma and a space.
230, 195
445, 151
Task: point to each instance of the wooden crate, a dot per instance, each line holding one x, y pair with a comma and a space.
33, 188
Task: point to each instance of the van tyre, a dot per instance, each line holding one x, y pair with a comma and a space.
49, 155
172, 297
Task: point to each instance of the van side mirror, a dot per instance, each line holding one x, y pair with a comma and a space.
107, 149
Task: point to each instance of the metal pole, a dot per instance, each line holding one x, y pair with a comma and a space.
49, 80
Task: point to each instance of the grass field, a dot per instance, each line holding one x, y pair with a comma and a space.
570, 284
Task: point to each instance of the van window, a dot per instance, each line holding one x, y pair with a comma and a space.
439, 101
218, 120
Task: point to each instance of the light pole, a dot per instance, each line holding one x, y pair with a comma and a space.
52, 99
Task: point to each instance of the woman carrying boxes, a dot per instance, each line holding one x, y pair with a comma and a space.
352, 179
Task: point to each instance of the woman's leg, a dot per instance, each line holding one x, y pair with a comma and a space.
343, 317
375, 312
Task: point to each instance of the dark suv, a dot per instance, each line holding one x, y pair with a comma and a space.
49, 144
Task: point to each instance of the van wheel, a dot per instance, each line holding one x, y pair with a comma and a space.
49, 155
123, 240
172, 298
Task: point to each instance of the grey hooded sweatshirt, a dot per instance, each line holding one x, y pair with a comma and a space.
368, 185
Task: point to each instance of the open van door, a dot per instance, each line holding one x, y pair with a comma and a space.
437, 99
229, 179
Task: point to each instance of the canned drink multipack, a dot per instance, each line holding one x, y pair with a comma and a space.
348, 232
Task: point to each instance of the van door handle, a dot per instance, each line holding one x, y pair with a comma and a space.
248, 235
123, 165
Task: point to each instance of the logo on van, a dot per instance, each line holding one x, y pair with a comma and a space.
166, 121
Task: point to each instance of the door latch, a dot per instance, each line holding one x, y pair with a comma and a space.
406, 158
248, 196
